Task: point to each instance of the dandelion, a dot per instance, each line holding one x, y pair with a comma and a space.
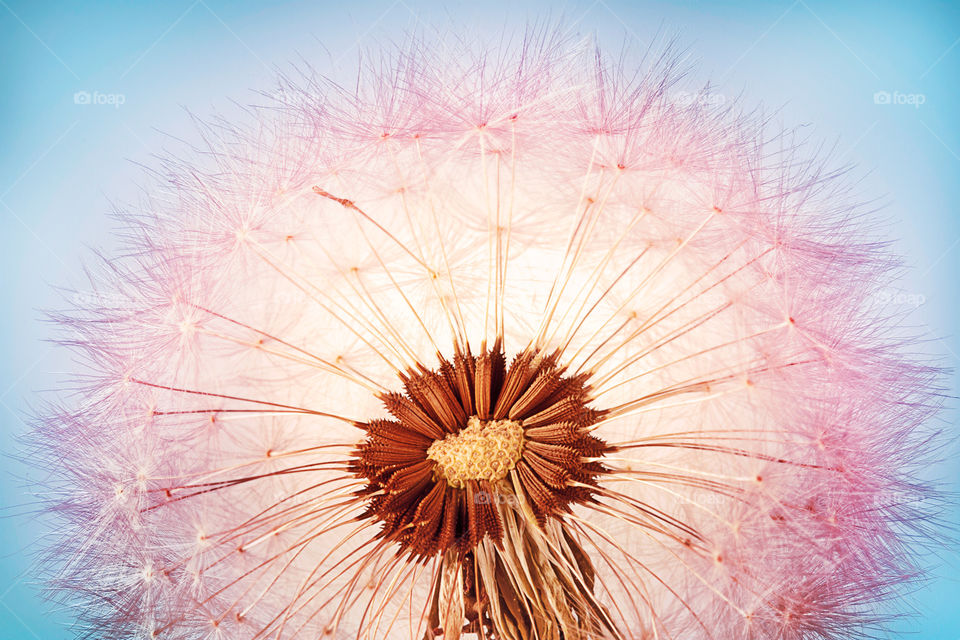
502, 344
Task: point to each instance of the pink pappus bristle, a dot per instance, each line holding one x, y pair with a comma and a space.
497, 344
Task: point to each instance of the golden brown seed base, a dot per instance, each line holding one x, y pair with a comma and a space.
478, 466
483, 450
555, 467
537, 583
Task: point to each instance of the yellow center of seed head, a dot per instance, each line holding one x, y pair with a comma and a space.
480, 451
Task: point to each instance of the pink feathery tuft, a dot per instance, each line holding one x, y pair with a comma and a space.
500, 344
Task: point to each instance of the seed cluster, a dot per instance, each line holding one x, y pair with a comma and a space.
480, 451
468, 431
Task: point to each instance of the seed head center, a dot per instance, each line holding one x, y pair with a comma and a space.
483, 450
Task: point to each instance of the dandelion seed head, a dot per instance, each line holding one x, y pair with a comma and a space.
490, 346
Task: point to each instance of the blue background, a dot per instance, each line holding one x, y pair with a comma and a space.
62, 164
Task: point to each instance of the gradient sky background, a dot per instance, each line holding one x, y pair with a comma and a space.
63, 165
